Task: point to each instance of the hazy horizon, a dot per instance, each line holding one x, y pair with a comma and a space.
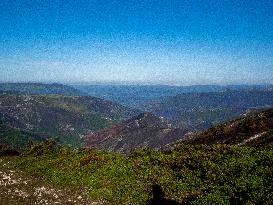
122, 83
137, 42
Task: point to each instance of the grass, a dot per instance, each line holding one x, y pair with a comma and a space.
190, 174
17, 187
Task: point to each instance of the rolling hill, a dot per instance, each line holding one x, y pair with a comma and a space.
144, 130
254, 129
67, 118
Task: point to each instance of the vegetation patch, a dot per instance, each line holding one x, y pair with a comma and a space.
190, 174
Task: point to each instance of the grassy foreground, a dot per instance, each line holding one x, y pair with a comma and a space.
190, 174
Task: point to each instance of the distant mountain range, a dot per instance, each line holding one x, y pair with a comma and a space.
39, 89
196, 107
136, 95
41, 111
199, 111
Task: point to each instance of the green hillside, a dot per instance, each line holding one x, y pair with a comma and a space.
255, 129
67, 118
17, 138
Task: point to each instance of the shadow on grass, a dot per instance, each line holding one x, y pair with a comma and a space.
158, 198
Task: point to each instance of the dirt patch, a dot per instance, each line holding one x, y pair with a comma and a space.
18, 188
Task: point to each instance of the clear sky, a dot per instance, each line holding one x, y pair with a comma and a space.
144, 41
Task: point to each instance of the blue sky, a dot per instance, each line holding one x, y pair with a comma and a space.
165, 41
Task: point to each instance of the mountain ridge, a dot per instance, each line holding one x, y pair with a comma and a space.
200, 111
254, 129
144, 130
65, 117
40, 88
